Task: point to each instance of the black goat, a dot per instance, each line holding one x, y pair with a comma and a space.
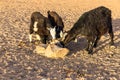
92, 24
41, 26
57, 22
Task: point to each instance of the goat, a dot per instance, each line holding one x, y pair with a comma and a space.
41, 26
57, 22
92, 24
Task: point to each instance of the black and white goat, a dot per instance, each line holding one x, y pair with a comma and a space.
57, 22
92, 24
41, 26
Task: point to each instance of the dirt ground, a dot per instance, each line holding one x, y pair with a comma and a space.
18, 62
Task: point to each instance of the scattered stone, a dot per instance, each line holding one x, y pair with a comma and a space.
113, 78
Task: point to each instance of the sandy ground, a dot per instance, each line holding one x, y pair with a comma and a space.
18, 62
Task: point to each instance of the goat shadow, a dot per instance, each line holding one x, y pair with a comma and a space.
81, 43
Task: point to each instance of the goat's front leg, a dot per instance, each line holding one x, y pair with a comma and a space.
30, 37
91, 43
97, 38
87, 48
90, 50
38, 37
31, 30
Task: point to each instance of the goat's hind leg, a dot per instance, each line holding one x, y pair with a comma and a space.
111, 36
110, 31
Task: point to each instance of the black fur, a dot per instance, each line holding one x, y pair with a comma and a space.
92, 24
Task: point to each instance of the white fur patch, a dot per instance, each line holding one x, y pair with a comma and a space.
35, 27
61, 34
38, 37
53, 32
76, 40
64, 36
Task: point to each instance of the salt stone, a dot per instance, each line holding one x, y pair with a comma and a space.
51, 51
